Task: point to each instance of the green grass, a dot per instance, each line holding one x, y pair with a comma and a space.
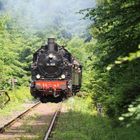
17, 98
82, 123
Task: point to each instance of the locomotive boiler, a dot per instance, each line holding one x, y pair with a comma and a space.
55, 72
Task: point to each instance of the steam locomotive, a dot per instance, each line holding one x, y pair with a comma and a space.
55, 73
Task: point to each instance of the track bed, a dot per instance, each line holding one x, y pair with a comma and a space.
33, 125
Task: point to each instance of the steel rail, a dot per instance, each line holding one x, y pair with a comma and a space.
11, 122
52, 123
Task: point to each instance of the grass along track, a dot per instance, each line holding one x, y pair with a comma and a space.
2, 129
81, 122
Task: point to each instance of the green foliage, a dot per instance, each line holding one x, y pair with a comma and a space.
81, 50
77, 47
17, 98
133, 113
16, 49
116, 57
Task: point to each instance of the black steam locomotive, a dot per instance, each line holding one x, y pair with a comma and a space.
55, 72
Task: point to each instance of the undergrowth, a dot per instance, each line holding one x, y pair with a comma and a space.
81, 122
17, 98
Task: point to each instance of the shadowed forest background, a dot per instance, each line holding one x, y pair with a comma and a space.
103, 34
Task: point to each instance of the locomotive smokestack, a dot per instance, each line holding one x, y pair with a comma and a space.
51, 40
52, 46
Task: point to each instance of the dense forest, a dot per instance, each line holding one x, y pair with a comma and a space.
22, 35
106, 41
116, 57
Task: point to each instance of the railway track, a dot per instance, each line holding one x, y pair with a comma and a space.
50, 121
11, 122
53, 123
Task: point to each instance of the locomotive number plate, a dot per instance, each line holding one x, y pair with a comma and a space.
50, 64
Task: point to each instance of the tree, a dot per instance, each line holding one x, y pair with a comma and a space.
116, 26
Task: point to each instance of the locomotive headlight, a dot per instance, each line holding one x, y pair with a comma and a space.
51, 56
38, 76
63, 76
